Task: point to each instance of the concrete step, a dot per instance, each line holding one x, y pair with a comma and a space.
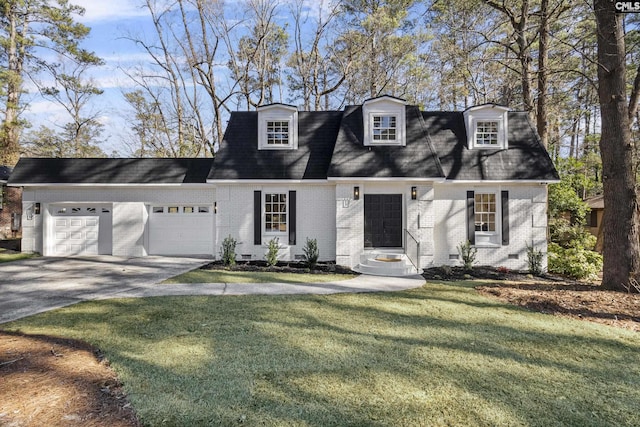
385, 263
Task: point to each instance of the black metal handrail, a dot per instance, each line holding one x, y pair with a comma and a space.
416, 264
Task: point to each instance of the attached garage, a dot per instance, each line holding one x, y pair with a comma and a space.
181, 229
79, 229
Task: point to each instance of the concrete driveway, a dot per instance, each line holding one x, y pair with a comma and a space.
36, 285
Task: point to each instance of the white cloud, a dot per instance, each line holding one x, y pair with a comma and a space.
96, 10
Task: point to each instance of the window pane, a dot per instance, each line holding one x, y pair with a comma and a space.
275, 212
487, 133
384, 128
485, 212
277, 132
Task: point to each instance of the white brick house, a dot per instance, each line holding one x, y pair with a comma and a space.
379, 176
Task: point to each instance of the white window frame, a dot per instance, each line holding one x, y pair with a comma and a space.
384, 139
272, 134
266, 211
487, 237
487, 134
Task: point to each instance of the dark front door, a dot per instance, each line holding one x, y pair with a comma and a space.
383, 220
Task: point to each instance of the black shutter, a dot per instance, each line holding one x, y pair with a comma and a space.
504, 197
257, 218
471, 220
292, 217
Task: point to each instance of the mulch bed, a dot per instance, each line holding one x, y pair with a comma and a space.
551, 295
48, 381
280, 267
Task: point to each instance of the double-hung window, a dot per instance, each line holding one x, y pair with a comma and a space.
384, 128
487, 133
277, 132
485, 212
275, 212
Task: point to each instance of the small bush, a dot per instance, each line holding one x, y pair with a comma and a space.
272, 252
311, 253
534, 260
228, 251
468, 254
577, 262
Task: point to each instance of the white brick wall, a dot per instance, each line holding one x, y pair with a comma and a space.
527, 224
315, 219
326, 212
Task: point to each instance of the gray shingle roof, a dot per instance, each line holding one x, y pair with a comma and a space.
111, 171
330, 144
351, 158
239, 157
525, 159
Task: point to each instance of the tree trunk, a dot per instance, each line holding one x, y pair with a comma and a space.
10, 135
543, 43
621, 245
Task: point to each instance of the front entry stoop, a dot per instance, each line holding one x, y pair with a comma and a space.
386, 263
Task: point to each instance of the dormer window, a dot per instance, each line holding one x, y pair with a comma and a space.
277, 127
384, 121
277, 132
384, 128
487, 132
487, 127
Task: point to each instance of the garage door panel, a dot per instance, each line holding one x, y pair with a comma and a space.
186, 232
76, 229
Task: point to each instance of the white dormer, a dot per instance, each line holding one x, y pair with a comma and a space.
384, 121
277, 127
487, 126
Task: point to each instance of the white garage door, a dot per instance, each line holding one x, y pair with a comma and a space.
181, 230
76, 229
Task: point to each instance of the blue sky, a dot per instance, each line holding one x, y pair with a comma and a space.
111, 22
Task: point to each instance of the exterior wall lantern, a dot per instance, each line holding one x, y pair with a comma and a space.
414, 193
36, 209
356, 193
215, 207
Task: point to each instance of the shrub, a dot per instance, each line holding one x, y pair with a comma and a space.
534, 260
576, 262
311, 253
228, 251
272, 252
468, 254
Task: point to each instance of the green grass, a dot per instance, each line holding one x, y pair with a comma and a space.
438, 355
8, 256
228, 276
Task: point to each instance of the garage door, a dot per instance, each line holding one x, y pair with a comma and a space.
181, 230
76, 230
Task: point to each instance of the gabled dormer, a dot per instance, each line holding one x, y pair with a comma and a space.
277, 127
384, 121
487, 127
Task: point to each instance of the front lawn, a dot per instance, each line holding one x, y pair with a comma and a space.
7, 255
438, 355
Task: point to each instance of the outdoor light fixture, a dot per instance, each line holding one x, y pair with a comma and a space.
215, 207
36, 209
414, 193
356, 193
